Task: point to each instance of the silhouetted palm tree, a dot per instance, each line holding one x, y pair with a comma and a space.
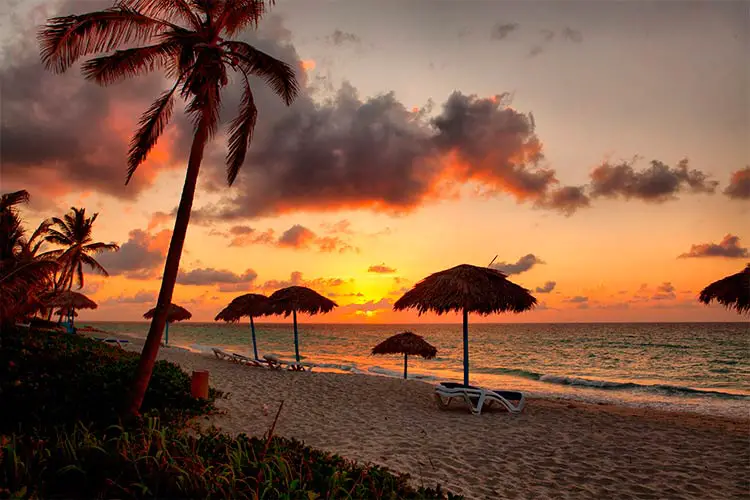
74, 233
24, 276
186, 39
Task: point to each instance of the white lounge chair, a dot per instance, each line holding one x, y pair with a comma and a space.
223, 355
477, 397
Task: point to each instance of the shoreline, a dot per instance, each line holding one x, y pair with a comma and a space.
554, 449
652, 396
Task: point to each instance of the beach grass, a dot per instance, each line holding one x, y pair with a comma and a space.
60, 436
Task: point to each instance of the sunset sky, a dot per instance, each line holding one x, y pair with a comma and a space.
429, 133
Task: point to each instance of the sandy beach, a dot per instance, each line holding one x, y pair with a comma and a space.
554, 449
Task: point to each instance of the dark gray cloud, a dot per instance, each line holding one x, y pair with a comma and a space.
739, 185
296, 279
376, 154
71, 133
571, 35
578, 299
381, 269
211, 276
141, 257
657, 183
501, 31
296, 237
340, 38
566, 200
547, 288
141, 297
665, 291
521, 265
729, 247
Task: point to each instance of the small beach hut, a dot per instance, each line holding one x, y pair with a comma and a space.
176, 313
406, 343
295, 299
733, 292
69, 301
466, 289
250, 304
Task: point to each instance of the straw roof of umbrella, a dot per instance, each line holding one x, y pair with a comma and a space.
406, 343
477, 289
301, 299
733, 292
68, 299
176, 313
250, 304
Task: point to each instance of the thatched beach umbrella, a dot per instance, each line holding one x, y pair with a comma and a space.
466, 289
406, 343
69, 301
250, 304
733, 292
176, 313
299, 298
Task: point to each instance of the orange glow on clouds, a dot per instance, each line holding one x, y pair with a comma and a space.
308, 64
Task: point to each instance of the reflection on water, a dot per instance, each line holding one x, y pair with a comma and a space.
683, 366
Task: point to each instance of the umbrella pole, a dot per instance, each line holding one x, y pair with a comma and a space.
405, 357
466, 347
166, 333
296, 341
252, 331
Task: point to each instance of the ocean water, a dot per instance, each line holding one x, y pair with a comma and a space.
694, 367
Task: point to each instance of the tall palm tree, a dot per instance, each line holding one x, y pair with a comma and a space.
74, 233
189, 40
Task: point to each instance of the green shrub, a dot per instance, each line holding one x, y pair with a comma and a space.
156, 461
48, 380
60, 395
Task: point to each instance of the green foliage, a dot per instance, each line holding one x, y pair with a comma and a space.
53, 380
156, 461
59, 436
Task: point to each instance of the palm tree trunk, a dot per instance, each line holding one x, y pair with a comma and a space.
166, 333
406, 356
151, 347
466, 347
252, 331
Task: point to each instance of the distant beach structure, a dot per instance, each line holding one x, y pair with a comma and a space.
406, 343
176, 313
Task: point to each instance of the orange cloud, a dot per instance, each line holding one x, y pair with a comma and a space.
308, 64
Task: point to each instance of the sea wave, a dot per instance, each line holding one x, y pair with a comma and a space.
399, 374
671, 390
664, 389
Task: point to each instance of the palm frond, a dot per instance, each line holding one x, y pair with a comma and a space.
152, 124
66, 39
239, 14
106, 70
277, 74
93, 264
79, 272
15, 198
166, 9
241, 133
58, 238
205, 106
97, 248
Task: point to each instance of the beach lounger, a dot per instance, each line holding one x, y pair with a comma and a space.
300, 367
244, 360
477, 397
272, 362
223, 355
